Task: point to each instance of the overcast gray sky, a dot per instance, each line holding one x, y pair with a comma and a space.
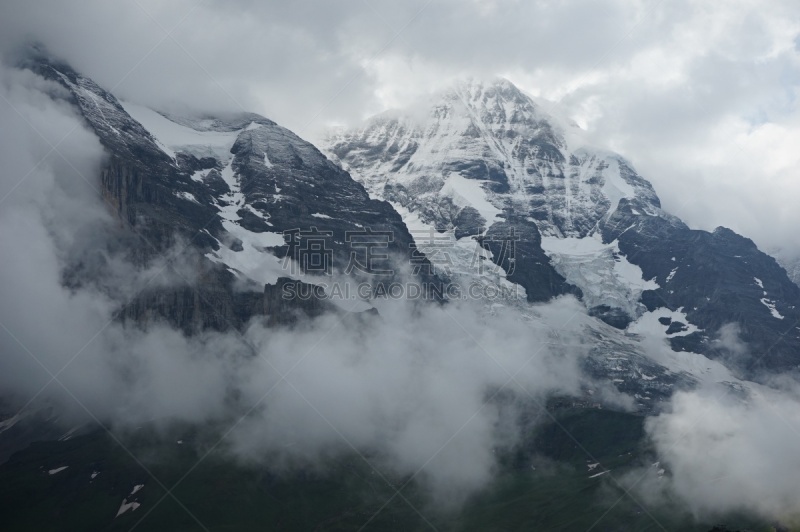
701, 96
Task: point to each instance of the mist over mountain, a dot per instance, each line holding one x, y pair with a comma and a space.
215, 271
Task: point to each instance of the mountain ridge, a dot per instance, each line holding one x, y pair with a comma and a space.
201, 185
233, 188
486, 156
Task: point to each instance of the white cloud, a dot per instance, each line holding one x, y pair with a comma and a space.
726, 456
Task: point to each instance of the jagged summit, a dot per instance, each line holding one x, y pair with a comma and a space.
491, 91
489, 146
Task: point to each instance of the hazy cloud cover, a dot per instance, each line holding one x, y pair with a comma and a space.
726, 455
700, 96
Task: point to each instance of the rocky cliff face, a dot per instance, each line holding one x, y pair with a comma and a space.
715, 279
483, 159
244, 200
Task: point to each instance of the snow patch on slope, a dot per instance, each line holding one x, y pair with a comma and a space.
600, 270
463, 260
614, 186
672, 274
772, 309
125, 506
253, 260
187, 196
649, 324
173, 138
469, 193
656, 347
200, 175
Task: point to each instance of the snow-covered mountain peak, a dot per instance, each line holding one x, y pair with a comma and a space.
495, 92
221, 137
485, 143
483, 161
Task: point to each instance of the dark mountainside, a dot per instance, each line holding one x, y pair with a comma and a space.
162, 209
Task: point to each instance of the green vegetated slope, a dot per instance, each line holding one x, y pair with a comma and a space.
545, 484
